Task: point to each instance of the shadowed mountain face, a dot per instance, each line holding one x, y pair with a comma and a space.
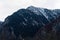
0, 22
25, 23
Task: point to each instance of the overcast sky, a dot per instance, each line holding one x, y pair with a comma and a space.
7, 7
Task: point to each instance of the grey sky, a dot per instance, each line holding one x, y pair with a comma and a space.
7, 7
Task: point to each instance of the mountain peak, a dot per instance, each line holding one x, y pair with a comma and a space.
31, 7
27, 22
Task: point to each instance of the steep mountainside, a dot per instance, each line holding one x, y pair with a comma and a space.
24, 24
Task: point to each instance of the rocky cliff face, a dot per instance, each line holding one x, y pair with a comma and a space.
25, 24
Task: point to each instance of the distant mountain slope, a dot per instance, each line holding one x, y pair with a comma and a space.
25, 23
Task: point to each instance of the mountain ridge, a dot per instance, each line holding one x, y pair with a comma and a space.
25, 23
